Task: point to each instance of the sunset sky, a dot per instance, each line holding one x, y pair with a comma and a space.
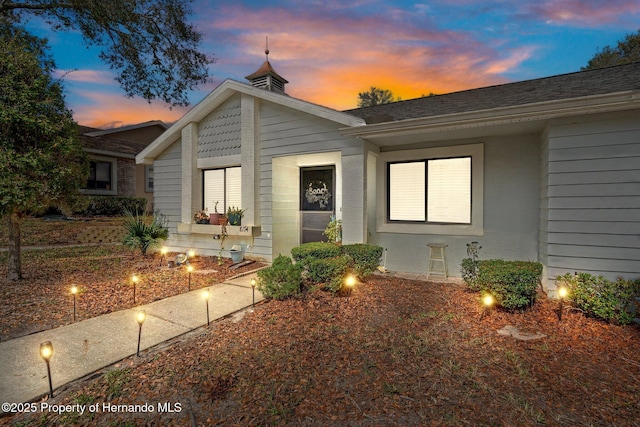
330, 50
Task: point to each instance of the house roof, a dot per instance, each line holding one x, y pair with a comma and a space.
100, 132
94, 141
561, 87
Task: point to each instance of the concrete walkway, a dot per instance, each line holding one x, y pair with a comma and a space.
87, 346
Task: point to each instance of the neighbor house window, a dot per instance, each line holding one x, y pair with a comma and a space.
222, 186
148, 178
431, 191
100, 176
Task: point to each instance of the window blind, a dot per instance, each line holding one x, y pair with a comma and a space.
407, 191
449, 190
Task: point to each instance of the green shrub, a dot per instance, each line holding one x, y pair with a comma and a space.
113, 206
512, 283
602, 298
315, 250
143, 236
282, 280
366, 258
329, 271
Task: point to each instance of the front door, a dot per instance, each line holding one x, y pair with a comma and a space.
317, 201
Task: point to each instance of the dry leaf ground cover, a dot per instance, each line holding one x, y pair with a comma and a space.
395, 352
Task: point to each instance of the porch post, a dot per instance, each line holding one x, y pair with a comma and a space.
354, 198
191, 184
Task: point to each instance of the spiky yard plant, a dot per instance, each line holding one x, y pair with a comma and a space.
144, 236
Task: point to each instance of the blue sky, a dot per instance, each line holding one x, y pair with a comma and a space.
331, 50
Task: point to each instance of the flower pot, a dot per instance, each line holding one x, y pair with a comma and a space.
222, 220
214, 218
202, 221
237, 254
235, 219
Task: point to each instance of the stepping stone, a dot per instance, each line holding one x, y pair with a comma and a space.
512, 331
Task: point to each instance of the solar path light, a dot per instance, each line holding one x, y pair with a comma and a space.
562, 293
206, 294
74, 292
134, 279
140, 317
46, 351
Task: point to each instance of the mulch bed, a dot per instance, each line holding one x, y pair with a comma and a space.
394, 352
43, 300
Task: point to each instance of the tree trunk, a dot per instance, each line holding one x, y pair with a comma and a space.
15, 263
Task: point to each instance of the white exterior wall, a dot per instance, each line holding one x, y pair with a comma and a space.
289, 140
167, 192
593, 197
509, 214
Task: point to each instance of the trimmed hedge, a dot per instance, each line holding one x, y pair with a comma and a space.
328, 264
512, 283
282, 280
329, 271
602, 298
366, 258
315, 250
113, 206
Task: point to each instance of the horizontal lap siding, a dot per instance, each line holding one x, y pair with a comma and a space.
593, 198
167, 193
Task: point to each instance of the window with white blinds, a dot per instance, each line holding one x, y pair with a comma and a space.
449, 190
406, 191
222, 186
436, 190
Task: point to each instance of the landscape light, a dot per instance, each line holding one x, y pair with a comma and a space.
46, 351
562, 293
190, 270
74, 292
191, 253
163, 252
134, 280
140, 317
349, 282
487, 301
253, 294
206, 294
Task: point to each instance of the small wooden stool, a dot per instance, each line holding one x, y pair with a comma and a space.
437, 257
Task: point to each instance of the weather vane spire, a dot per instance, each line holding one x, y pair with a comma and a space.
266, 47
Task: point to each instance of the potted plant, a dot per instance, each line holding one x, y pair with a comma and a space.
201, 217
234, 215
214, 218
222, 220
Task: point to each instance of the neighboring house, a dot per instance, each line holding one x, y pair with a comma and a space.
544, 170
112, 152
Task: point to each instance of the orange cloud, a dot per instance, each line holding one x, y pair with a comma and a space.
330, 58
104, 110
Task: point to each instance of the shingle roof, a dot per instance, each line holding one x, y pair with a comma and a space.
106, 143
574, 85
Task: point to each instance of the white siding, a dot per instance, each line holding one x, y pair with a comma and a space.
594, 197
167, 195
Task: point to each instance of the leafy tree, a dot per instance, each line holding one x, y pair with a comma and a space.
42, 161
375, 96
147, 42
626, 52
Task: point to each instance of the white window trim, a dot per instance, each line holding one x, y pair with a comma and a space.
114, 178
476, 228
